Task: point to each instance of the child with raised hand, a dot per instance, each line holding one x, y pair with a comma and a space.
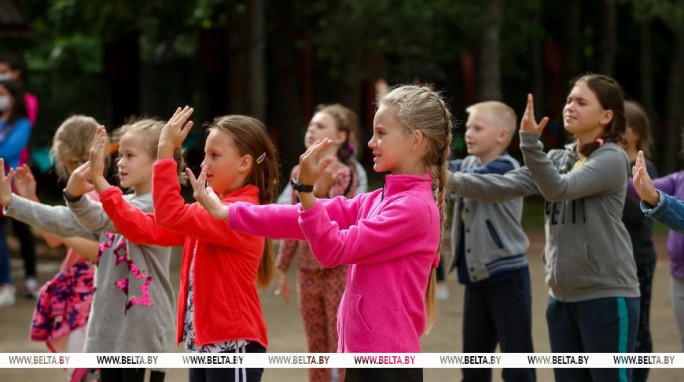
640, 228
662, 201
132, 307
389, 295
488, 244
15, 131
319, 289
594, 292
219, 310
64, 302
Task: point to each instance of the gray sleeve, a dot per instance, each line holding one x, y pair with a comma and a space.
604, 172
91, 215
56, 220
493, 188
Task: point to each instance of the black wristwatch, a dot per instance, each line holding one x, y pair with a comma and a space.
300, 187
70, 198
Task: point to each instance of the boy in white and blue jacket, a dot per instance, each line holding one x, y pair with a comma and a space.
488, 246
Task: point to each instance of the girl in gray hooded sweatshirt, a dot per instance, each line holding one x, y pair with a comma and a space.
593, 304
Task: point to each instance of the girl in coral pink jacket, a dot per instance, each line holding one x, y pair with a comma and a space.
389, 237
219, 310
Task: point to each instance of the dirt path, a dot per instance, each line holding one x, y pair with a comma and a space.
286, 333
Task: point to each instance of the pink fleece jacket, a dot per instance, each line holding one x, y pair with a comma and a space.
389, 238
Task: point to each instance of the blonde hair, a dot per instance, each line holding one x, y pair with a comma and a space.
503, 114
422, 109
150, 130
71, 143
250, 138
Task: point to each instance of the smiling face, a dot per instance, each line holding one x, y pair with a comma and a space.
390, 144
583, 114
134, 164
226, 169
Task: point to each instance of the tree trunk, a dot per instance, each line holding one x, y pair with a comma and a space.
121, 59
490, 62
256, 88
646, 68
573, 35
675, 99
238, 86
609, 38
538, 68
287, 121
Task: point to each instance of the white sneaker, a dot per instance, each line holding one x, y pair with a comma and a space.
442, 292
7, 295
31, 288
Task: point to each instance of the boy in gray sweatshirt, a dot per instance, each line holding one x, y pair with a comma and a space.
488, 247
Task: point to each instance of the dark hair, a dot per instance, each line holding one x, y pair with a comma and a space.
16, 91
250, 138
636, 118
610, 95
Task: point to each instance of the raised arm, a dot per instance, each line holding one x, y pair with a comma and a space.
57, 220
493, 188
134, 224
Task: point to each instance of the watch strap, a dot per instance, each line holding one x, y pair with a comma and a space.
301, 187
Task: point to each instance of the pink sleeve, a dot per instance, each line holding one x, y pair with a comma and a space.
281, 221
277, 221
370, 240
31, 102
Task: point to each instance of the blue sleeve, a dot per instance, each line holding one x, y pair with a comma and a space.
497, 166
669, 211
17, 138
455, 165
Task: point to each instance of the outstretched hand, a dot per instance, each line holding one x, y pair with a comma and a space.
97, 160
206, 196
528, 124
174, 132
25, 183
642, 181
79, 181
5, 184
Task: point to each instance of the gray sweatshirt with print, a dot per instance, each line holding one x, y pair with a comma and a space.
588, 253
133, 306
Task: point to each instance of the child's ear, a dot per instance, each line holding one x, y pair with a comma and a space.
245, 163
419, 139
503, 136
606, 117
341, 137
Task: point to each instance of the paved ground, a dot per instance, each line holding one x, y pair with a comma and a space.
286, 334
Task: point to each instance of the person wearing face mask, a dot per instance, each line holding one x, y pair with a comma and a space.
15, 131
12, 69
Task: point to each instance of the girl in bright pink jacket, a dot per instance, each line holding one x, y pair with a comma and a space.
389, 238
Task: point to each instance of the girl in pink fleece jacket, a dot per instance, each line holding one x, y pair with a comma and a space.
389, 238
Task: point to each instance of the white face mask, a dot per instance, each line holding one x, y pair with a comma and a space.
5, 76
4, 103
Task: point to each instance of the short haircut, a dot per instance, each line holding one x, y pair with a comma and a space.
503, 114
